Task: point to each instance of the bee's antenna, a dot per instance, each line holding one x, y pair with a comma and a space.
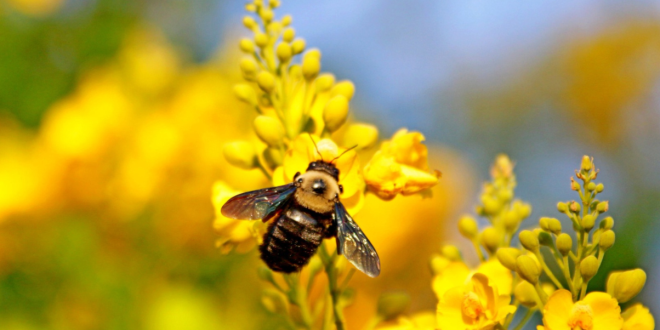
316, 147
345, 151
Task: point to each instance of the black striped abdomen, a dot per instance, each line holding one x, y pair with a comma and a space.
291, 240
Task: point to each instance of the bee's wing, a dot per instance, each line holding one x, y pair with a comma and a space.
257, 204
352, 243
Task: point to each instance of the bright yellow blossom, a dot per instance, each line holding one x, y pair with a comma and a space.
457, 273
637, 317
420, 321
475, 305
400, 166
303, 151
232, 232
597, 311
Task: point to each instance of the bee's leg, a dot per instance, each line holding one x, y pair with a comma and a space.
331, 231
341, 189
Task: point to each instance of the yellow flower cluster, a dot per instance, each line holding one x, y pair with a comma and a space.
303, 116
482, 298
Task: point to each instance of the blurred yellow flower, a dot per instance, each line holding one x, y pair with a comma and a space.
637, 317
475, 305
233, 233
596, 311
400, 166
303, 151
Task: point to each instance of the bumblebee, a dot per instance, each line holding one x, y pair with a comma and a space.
301, 214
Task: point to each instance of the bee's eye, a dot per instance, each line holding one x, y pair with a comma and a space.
300, 180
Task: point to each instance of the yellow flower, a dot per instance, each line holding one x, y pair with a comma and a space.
596, 311
457, 273
400, 166
233, 233
302, 152
475, 305
637, 317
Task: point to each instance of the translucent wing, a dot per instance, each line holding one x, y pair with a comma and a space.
352, 243
257, 204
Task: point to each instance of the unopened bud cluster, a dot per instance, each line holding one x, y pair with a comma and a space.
290, 93
549, 257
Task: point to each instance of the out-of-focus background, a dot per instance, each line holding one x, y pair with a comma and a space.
113, 115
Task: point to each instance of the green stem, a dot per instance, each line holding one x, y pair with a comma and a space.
335, 291
547, 270
524, 320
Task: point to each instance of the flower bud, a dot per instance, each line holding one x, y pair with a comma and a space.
564, 243
274, 302
451, 252
269, 130
265, 274
574, 185
324, 82
284, 52
511, 221
607, 223
603, 206
574, 207
528, 269
606, 239
505, 195
524, 210
562, 207
491, 205
335, 113
286, 20
543, 223
250, 7
311, 66
526, 294
545, 238
624, 285
528, 240
248, 67
361, 135
599, 188
261, 39
247, 46
249, 22
490, 239
240, 154
438, 264
591, 186
245, 93
554, 226
272, 157
588, 222
589, 267
345, 88
467, 226
266, 81
267, 15
507, 257
586, 164
298, 46
288, 34
391, 305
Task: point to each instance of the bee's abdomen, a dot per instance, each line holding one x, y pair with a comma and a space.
291, 241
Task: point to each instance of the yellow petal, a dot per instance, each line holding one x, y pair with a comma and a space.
499, 276
557, 310
455, 274
607, 313
637, 317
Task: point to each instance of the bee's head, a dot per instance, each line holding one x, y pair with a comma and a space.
325, 167
320, 180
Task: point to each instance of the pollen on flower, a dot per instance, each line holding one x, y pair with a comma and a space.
581, 317
472, 306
